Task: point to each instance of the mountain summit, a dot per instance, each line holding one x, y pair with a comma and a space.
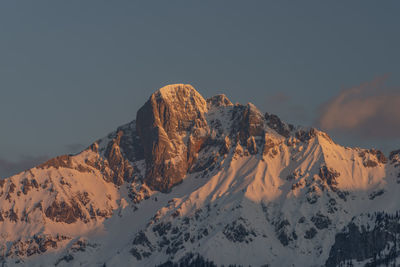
204, 182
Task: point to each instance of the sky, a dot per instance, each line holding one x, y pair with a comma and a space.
73, 71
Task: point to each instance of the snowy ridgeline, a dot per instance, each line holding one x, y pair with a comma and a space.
195, 182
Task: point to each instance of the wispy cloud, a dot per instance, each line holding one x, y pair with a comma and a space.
278, 98
24, 162
369, 110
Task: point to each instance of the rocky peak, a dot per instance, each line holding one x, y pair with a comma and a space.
218, 101
280, 127
162, 124
250, 122
184, 96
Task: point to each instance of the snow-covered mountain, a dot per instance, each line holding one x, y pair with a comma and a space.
196, 182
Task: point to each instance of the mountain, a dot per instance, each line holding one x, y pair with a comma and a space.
204, 182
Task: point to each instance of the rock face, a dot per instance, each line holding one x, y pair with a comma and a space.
120, 166
164, 123
275, 123
251, 123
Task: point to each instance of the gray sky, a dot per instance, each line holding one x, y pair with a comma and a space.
72, 71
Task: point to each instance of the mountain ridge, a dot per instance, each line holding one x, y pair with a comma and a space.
203, 180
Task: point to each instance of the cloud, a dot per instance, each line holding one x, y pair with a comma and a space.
278, 98
369, 110
74, 148
25, 162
